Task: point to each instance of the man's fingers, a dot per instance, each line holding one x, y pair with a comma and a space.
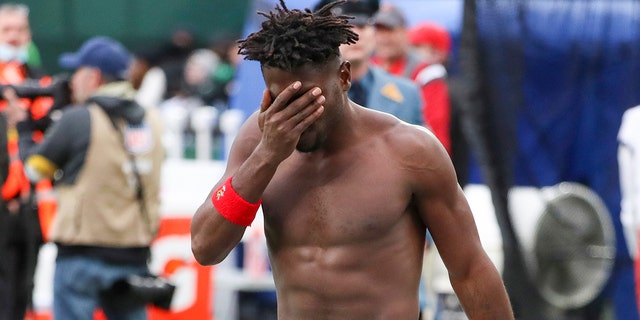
309, 119
308, 110
303, 102
292, 111
283, 99
266, 100
264, 105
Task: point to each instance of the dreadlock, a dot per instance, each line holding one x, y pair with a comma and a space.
293, 38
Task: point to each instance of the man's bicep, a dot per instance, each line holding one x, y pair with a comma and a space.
447, 215
454, 233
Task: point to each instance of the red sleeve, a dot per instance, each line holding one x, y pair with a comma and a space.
436, 110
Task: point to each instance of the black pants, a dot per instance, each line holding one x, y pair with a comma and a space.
19, 247
4, 272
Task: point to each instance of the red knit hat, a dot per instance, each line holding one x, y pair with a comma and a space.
432, 34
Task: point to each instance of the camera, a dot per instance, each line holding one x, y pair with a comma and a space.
31, 88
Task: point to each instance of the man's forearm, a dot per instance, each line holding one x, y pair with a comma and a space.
253, 176
213, 235
483, 295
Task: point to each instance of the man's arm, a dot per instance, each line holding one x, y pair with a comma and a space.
212, 235
446, 213
266, 139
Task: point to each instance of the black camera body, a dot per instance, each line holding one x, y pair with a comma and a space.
31, 88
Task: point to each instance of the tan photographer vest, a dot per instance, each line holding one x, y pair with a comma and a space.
101, 208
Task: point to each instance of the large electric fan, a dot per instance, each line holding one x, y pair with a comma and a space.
573, 247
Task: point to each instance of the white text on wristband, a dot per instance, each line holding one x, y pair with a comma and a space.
232, 206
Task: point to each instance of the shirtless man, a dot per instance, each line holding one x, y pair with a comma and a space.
347, 192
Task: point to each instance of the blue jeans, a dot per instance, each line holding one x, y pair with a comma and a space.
77, 283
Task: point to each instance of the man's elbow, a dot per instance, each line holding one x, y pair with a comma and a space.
203, 254
203, 259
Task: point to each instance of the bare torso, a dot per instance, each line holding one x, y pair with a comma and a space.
346, 222
345, 241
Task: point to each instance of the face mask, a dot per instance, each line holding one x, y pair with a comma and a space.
10, 53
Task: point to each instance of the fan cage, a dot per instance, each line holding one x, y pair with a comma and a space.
574, 246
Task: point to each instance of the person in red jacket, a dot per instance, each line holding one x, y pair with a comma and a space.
432, 43
396, 52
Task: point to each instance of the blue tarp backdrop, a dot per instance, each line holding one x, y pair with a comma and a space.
558, 76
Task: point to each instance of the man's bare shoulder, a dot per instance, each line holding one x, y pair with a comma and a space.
416, 155
250, 126
412, 145
413, 153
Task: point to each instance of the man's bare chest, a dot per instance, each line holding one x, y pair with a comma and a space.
349, 205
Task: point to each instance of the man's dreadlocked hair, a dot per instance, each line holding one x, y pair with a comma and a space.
292, 38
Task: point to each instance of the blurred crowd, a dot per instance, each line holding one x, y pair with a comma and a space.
187, 83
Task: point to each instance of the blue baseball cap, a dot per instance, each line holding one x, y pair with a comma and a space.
104, 53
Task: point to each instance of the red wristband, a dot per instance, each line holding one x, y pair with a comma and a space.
232, 206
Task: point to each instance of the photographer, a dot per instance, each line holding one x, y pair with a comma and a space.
106, 155
20, 238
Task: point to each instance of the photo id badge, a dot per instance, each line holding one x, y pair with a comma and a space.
138, 138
